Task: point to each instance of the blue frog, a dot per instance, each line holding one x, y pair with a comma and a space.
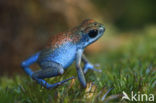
60, 52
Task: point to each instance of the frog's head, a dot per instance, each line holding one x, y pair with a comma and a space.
90, 31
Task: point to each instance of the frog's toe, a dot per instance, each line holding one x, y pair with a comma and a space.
97, 65
98, 70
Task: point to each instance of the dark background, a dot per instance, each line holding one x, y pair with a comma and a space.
26, 25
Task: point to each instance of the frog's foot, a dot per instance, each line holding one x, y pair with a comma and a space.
88, 66
50, 86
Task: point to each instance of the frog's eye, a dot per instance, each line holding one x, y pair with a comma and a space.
93, 33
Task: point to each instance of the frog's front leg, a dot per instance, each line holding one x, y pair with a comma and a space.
80, 73
88, 65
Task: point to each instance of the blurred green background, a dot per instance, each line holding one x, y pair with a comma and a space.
26, 25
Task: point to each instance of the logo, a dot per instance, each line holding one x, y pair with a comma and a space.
137, 97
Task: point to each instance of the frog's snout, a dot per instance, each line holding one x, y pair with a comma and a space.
101, 30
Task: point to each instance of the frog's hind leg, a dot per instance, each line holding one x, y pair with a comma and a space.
39, 75
49, 69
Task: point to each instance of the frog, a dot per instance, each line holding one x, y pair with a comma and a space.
61, 51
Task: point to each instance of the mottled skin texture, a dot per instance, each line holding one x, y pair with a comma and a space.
60, 52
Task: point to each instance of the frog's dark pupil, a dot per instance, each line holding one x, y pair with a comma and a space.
93, 33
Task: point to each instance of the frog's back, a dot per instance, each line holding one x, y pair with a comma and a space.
60, 49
